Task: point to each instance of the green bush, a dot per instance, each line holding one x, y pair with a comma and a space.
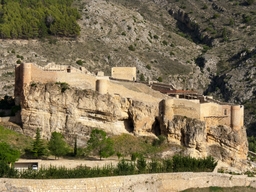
125, 168
205, 6
57, 145
215, 16
157, 142
100, 144
252, 144
141, 164
131, 48
165, 42
184, 164
167, 165
6, 170
154, 167
63, 85
160, 79
246, 18
21, 57
142, 77
134, 156
155, 37
119, 155
79, 62
148, 66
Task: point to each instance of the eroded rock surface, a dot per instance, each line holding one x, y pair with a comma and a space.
221, 142
75, 112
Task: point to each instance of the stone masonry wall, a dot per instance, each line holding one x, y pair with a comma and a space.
170, 182
184, 107
38, 75
212, 113
126, 73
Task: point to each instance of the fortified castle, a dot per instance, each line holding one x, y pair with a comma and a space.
118, 104
182, 103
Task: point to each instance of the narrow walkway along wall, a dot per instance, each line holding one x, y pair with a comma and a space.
168, 182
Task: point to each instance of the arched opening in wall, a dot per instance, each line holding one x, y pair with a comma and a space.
128, 124
69, 69
156, 127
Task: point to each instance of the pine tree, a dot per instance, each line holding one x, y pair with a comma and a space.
57, 146
101, 144
39, 149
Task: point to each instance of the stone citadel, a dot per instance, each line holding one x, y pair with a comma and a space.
118, 104
196, 107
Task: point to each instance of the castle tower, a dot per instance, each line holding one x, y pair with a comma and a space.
168, 110
26, 75
237, 116
102, 86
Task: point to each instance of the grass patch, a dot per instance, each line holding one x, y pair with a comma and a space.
126, 145
14, 139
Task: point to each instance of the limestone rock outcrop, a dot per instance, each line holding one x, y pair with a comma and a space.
221, 142
75, 112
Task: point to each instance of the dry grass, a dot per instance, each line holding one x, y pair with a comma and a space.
128, 144
16, 140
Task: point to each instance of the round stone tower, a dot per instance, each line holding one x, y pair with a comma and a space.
26, 73
168, 109
102, 86
236, 117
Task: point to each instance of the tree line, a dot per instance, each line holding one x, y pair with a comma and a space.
98, 144
124, 167
38, 18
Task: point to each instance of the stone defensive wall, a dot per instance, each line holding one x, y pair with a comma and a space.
124, 73
28, 72
209, 112
164, 182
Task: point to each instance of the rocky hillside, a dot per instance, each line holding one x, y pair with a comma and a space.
205, 45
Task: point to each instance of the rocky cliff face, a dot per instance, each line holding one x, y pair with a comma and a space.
221, 142
76, 112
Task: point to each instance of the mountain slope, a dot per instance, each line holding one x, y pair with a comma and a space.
203, 45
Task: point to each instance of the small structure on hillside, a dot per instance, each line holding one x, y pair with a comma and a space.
26, 164
124, 73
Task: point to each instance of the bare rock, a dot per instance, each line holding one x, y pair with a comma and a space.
221, 142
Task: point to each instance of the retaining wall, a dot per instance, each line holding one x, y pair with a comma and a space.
170, 182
